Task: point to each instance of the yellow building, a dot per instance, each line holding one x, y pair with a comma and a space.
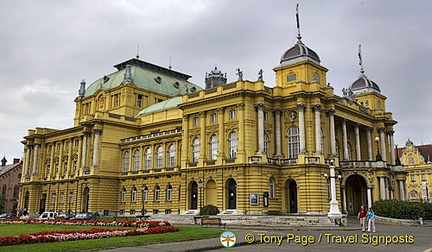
146, 138
417, 162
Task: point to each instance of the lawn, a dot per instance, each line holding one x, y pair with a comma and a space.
185, 233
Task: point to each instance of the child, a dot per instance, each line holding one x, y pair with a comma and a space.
371, 217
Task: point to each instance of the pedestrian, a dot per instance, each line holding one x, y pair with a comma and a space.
371, 217
362, 217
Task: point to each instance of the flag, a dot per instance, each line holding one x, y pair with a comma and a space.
359, 55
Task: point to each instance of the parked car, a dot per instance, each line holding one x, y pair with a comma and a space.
65, 216
48, 216
5, 216
83, 216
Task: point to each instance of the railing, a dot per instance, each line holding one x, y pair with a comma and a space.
312, 160
363, 164
152, 135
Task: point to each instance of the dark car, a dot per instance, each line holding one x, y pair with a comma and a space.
5, 216
83, 216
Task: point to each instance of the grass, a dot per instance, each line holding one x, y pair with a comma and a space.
185, 233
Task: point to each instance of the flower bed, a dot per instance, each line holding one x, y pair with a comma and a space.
137, 224
72, 235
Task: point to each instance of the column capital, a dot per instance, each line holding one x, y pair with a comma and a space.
86, 133
330, 111
260, 106
97, 131
277, 110
316, 107
380, 129
37, 144
390, 132
301, 107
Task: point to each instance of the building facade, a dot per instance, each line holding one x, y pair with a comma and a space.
146, 140
10, 177
417, 162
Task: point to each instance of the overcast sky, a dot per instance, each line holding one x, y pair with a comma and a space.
48, 47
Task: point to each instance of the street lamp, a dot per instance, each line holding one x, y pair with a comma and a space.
334, 212
378, 156
200, 186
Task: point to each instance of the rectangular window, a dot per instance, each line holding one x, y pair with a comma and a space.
157, 195
133, 196
70, 198
145, 194
75, 163
265, 116
169, 194
423, 177
53, 198
291, 77
115, 100
317, 77
213, 117
195, 121
61, 198
232, 114
139, 100
76, 142
413, 178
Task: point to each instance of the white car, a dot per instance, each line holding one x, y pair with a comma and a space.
48, 216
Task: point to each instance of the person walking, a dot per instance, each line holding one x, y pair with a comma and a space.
371, 222
362, 217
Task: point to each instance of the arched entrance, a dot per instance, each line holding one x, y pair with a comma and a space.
232, 193
42, 203
85, 199
193, 189
291, 194
356, 193
210, 193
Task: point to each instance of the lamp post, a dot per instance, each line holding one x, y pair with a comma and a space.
378, 156
200, 186
334, 212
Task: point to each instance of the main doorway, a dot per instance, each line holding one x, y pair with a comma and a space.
356, 193
232, 193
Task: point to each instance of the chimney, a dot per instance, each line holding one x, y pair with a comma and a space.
16, 160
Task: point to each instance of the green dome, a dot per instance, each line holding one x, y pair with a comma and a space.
171, 103
146, 76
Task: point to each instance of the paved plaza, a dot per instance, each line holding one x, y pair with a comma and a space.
349, 238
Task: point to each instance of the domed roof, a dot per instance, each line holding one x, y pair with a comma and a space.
147, 76
364, 84
299, 52
167, 104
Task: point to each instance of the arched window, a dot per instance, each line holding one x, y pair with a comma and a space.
195, 150
213, 147
71, 198
232, 144
4, 190
171, 155
169, 193
293, 142
16, 192
157, 193
159, 157
266, 144
123, 195
271, 188
349, 153
126, 161
144, 193
148, 158
137, 160
133, 194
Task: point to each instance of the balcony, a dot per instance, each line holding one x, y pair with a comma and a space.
151, 136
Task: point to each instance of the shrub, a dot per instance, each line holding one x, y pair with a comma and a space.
403, 209
209, 210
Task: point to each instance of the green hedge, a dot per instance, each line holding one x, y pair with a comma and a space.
209, 210
403, 209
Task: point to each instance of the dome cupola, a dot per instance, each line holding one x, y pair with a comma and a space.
363, 84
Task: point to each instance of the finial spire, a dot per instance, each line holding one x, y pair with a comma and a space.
170, 63
298, 23
137, 56
360, 60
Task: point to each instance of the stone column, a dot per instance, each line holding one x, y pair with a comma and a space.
97, 133
401, 189
383, 145
332, 133
221, 136
27, 163
185, 143
382, 188
369, 143
357, 141
203, 140
301, 109
84, 149
278, 133
369, 196
344, 201
392, 151
241, 151
345, 140
35, 158
260, 108
318, 136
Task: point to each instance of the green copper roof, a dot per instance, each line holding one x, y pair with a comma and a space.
147, 76
171, 103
